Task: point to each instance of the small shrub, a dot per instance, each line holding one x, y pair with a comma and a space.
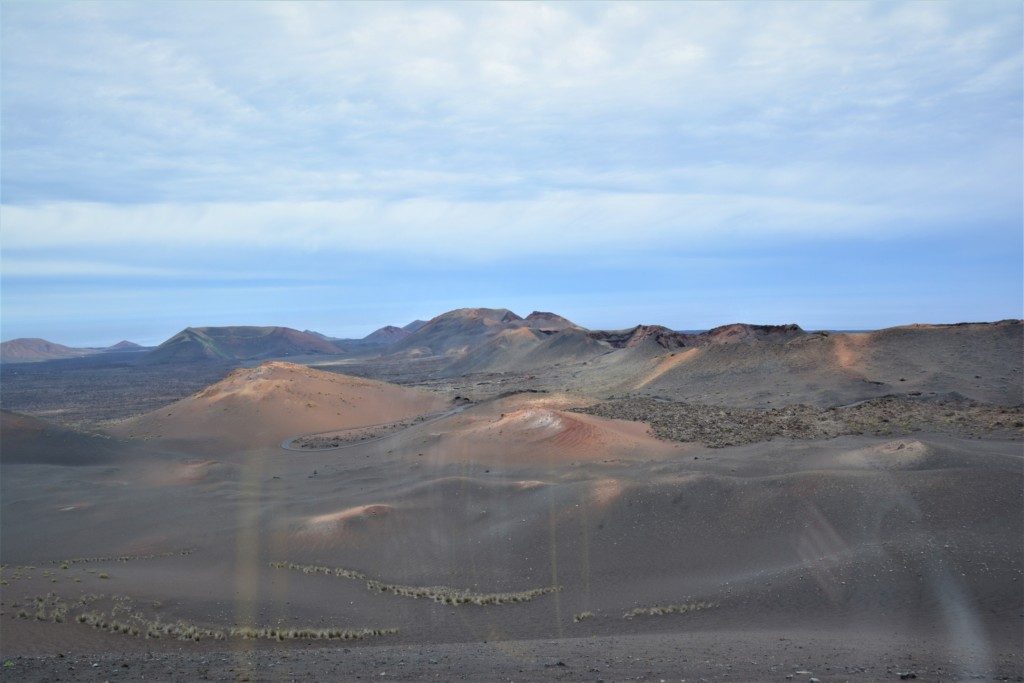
660, 610
442, 594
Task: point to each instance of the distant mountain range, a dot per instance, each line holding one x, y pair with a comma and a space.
32, 350
490, 340
446, 333
451, 334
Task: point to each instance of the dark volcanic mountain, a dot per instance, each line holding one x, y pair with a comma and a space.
738, 332
239, 343
542, 320
125, 345
387, 335
319, 335
757, 365
498, 340
377, 342
508, 349
635, 336
414, 325
457, 331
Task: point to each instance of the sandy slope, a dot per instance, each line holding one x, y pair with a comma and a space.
261, 406
25, 439
537, 429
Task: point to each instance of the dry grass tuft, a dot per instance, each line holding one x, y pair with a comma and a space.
442, 594
317, 569
660, 610
122, 618
121, 558
457, 596
50, 607
307, 633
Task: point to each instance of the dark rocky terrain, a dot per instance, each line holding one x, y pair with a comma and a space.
88, 391
717, 426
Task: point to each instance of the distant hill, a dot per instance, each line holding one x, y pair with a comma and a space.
386, 335
569, 345
37, 350
499, 340
125, 345
454, 333
457, 331
738, 363
319, 335
414, 325
376, 343
542, 320
520, 349
737, 332
505, 350
30, 350
644, 334
768, 365
239, 343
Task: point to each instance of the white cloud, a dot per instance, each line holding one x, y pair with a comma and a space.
225, 82
509, 128
44, 267
554, 223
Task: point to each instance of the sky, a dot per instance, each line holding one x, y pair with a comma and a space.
339, 167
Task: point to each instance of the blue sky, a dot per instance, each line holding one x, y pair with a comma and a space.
343, 166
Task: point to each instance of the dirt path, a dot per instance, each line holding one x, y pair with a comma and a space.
287, 443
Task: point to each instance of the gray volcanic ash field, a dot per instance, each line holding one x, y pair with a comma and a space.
495, 497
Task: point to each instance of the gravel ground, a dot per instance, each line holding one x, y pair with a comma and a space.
733, 656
